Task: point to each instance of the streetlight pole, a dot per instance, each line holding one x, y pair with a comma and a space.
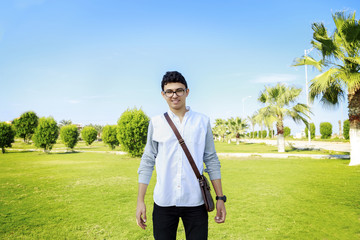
243, 102
307, 94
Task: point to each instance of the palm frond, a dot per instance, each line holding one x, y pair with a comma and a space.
321, 82
326, 44
327, 87
351, 31
307, 60
353, 81
354, 60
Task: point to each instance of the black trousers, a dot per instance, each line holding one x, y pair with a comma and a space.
166, 221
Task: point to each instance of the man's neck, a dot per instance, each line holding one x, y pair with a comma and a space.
179, 112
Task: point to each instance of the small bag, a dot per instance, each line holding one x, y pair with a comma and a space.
203, 182
205, 190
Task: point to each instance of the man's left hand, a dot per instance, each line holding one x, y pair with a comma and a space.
221, 212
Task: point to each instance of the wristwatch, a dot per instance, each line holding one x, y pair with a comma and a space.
221, 198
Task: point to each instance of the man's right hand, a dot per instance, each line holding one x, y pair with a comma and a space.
141, 215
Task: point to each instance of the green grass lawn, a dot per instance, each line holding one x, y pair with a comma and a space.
221, 147
80, 146
93, 196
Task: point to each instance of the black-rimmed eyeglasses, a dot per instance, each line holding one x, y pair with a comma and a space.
179, 92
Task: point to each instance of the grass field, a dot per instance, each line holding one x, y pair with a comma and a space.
93, 196
221, 147
80, 146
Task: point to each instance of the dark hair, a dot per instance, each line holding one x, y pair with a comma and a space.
172, 77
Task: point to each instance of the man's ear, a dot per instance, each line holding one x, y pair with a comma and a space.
163, 94
187, 91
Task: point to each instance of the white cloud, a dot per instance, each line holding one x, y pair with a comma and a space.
275, 78
73, 101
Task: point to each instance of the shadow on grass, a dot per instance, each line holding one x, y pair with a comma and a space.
299, 150
16, 151
60, 153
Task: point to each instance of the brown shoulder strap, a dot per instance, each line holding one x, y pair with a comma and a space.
183, 145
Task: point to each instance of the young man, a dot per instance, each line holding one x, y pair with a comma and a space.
177, 193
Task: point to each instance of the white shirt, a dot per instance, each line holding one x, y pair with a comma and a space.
176, 183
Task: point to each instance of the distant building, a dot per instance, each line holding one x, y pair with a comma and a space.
79, 126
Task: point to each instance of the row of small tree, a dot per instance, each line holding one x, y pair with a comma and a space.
130, 132
270, 133
225, 129
326, 130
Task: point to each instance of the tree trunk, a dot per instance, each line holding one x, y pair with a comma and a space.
281, 142
280, 136
3, 150
354, 119
340, 130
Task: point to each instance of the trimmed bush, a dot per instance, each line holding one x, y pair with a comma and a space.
346, 129
46, 133
325, 130
287, 131
25, 125
109, 136
69, 135
7, 135
312, 131
132, 131
89, 134
264, 134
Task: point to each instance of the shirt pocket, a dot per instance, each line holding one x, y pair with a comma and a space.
162, 134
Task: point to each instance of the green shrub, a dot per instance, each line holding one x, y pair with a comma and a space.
132, 131
89, 134
287, 131
7, 135
346, 129
69, 135
46, 133
264, 134
312, 131
109, 136
255, 134
325, 130
25, 125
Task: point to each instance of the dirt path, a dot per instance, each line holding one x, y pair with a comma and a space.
333, 146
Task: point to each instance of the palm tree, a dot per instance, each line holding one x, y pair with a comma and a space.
259, 118
237, 127
252, 120
280, 102
64, 123
220, 128
264, 118
341, 59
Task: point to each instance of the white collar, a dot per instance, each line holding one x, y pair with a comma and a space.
173, 115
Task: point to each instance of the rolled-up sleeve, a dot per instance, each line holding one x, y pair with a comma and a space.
147, 162
211, 159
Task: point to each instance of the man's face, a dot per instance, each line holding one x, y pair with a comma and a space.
172, 90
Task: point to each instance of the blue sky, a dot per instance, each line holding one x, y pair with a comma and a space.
89, 61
